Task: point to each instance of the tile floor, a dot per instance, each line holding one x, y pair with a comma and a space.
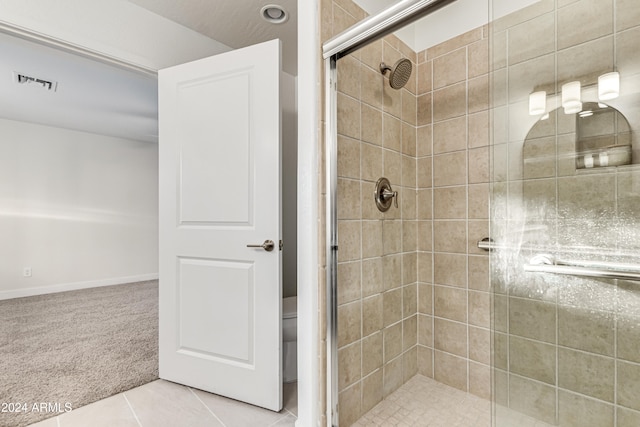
163, 403
423, 402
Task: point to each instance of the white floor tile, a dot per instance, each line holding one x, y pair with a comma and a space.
165, 404
50, 422
113, 411
238, 414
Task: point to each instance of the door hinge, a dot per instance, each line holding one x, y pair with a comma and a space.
281, 245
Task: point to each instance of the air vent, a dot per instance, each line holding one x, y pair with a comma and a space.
25, 79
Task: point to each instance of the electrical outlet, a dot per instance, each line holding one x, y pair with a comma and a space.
26, 272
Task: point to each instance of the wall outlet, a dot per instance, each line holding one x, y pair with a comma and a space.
26, 272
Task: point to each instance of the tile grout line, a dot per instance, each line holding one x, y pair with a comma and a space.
280, 419
291, 413
204, 404
132, 410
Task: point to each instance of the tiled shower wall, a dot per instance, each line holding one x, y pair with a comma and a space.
413, 287
566, 348
453, 195
377, 259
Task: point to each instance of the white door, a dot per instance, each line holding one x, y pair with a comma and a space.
220, 301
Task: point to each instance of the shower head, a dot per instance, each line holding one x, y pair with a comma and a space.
400, 72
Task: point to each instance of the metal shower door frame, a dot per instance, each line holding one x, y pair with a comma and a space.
359, 35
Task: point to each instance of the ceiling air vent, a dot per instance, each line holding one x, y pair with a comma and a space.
25, 79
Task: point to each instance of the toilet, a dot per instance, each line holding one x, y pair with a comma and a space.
290, 339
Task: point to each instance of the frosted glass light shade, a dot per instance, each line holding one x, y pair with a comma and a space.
537, 103
609, 86
571, 101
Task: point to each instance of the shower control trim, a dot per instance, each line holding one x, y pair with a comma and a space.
268, 245
384, 194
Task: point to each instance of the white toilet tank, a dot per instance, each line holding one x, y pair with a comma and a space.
290, 339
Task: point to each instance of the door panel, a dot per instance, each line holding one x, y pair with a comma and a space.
202, 106
199, 284
220, 301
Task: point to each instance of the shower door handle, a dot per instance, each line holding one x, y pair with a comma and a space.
268, 245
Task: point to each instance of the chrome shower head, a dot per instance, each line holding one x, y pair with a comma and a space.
400, 72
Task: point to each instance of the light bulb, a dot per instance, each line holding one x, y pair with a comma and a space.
609, 86
571, 101
537, 103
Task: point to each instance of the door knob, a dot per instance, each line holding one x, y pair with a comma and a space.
268, 245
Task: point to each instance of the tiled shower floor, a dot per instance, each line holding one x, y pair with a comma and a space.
423, 402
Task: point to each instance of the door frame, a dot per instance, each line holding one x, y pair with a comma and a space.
308, 93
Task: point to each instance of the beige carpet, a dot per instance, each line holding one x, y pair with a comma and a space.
75, 348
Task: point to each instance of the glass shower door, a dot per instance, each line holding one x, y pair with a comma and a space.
565, 203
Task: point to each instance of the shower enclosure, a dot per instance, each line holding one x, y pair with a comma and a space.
505, 262
565, 208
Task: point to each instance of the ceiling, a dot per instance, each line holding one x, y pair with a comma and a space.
99, 98
235, 23
90, 96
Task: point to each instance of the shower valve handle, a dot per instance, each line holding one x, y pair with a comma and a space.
383, 194
388, 194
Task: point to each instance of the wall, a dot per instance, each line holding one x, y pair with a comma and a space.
419, 262
79, 209
453, 175
289, 186
565, 348
377, 276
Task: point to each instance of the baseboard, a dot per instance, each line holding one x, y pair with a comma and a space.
63, 287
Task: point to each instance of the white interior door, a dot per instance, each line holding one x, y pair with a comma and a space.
220, 301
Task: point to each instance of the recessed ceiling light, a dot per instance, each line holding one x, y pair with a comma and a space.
274, 14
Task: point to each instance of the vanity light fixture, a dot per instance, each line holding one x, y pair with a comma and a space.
274, 14
571, 95
537, 103
571, 100
609, 86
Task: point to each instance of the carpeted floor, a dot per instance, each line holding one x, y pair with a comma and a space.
74, 348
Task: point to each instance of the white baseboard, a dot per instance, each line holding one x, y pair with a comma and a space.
63, 287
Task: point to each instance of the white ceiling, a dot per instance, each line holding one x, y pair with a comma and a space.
90, 96
99, 98
236, 23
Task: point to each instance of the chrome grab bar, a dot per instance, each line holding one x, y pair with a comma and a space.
545, 263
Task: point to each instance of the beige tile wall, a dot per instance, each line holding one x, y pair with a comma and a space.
453, 188
377, 260
565, 350
413, 288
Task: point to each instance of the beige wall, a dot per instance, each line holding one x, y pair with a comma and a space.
377, 259
453, 189
566, 348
